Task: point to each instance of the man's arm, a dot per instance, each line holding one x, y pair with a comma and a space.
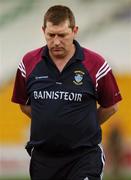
26, 109
106, 113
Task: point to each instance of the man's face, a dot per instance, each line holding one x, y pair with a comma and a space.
59, 38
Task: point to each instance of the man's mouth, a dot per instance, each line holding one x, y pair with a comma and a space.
57, 49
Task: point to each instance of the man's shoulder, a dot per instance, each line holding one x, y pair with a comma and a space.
94, 62
93, 57
34, 54
30, 60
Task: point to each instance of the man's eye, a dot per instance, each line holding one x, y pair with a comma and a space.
52, 35
61, 35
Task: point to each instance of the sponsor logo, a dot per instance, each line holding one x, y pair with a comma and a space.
57, 95
59, 83
41, 77
78, 77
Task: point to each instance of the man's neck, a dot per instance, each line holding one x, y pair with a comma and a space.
60, 62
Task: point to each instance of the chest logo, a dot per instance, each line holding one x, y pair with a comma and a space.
78, 77
41, 77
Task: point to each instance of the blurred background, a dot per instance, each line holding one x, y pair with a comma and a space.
105, 27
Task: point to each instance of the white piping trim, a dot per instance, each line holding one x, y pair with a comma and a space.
103, 159
32, 151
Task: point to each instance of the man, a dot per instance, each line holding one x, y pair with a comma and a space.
59, 86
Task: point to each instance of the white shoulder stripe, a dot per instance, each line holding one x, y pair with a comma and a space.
103, 74
23, 75
22, 64
22, 72
102, 70
102, 67
106, 69
21, 67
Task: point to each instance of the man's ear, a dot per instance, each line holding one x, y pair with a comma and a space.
43, 29
75, 30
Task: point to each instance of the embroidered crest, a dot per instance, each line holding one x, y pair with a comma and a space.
78, 77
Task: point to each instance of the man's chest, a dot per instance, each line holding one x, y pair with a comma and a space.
47, 78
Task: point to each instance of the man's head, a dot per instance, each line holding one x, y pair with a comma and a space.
58, 14
59, 30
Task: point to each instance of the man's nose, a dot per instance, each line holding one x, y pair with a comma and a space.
56, 40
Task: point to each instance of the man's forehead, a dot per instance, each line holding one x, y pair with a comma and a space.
62, 27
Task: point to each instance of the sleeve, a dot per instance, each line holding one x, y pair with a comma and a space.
19, 93
107, 88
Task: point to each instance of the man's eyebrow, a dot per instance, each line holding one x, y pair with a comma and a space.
62, 33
